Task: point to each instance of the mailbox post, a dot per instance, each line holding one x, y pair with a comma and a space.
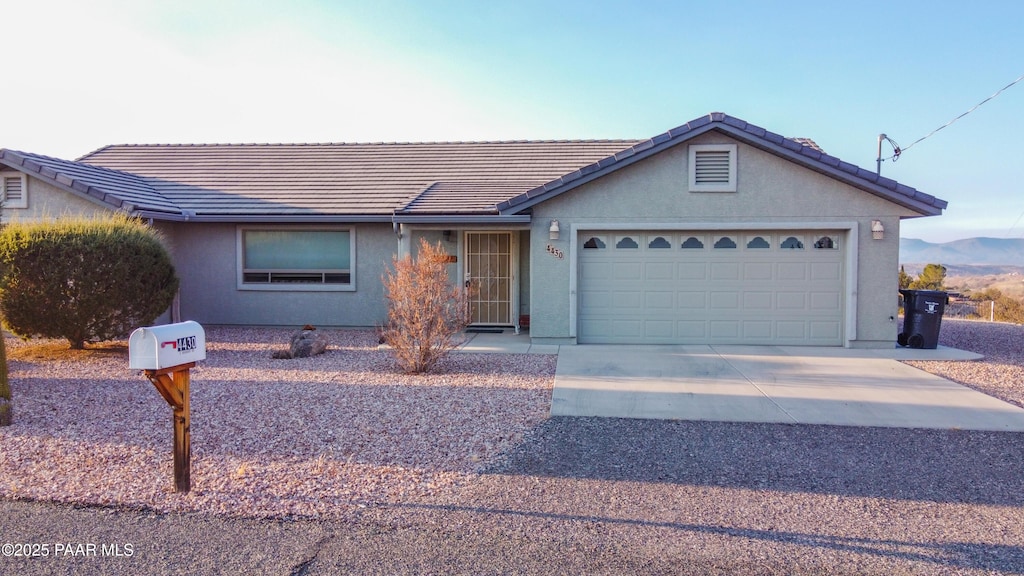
166, 354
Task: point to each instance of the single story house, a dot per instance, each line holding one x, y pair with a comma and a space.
715, 232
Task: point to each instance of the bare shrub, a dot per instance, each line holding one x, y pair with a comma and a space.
425, 311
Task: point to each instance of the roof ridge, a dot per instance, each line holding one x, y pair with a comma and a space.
378, 143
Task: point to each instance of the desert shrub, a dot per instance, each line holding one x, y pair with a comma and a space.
425, 311
83, 279
1006, 308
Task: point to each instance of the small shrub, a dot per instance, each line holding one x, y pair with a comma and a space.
81, 279
425, 311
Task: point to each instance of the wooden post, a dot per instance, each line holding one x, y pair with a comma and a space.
182, 435
173, 383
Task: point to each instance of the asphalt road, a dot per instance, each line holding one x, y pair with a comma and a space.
608, 496
78, 541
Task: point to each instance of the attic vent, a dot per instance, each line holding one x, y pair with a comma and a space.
713, 168
13, 189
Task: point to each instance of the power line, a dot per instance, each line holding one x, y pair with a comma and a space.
897, 150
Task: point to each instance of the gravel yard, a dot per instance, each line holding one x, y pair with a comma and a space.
467, 460
1000, 374
318, 436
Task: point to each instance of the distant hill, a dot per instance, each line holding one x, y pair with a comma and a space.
999, 252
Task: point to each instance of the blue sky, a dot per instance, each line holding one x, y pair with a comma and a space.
82, 74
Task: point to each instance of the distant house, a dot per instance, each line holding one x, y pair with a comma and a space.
715, 232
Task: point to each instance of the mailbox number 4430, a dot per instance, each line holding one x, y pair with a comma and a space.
183, 344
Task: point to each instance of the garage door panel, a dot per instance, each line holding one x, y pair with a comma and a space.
673, 289
825, 271
825, 330
595, 326
727, 330
692, 271
725, 271
628, 300
692, 300
792, 271
659, 271
659, 300
659, 329
757, 330
596, 300
757, 301
791, 300
691, 330
630, 329
787, 330
825, 301
758, 271
595, 270
626, 270
724, 300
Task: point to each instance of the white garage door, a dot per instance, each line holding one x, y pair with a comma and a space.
745, 287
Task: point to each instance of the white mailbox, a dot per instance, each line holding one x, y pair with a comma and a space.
158, 347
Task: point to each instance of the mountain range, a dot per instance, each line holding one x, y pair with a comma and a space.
998, 252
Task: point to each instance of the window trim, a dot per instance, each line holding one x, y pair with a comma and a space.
695, 150
241, 284
23, 201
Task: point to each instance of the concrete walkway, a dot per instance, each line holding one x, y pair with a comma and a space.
795, 385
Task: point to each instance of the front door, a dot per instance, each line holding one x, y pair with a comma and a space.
489, 276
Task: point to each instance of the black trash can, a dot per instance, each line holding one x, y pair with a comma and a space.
922, 318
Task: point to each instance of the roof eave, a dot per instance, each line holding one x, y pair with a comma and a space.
462, 219
73, 186
286, 218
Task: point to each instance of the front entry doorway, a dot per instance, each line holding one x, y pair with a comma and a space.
490, 277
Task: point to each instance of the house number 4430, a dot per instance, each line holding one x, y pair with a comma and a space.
555, 251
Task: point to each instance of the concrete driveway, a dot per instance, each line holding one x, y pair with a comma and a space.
772, 384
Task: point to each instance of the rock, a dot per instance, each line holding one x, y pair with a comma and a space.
307, 342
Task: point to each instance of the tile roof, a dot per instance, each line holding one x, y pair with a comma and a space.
392, 181
111, 187
348, 179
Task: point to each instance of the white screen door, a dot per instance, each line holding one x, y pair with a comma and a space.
489, 272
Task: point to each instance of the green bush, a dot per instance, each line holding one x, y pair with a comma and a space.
85, 280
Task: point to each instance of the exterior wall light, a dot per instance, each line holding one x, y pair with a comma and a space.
877, 230
553, 230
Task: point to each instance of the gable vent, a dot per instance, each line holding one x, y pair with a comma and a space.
13, 192
712, 167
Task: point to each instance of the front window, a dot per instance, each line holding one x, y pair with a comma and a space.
286, 258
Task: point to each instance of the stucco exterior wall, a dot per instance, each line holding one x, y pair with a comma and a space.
206, 259
450, 245
772, 191
48, 201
